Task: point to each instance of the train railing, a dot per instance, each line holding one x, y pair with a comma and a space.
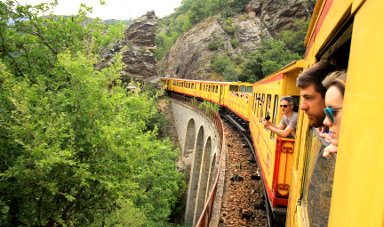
206, 214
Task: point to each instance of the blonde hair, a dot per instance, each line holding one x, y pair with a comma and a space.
337, 79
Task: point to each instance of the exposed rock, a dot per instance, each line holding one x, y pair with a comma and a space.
138, 42
279, 15
139, 60
190, 56
143, 31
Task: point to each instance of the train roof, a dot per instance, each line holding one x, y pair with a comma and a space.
295, 65
207, 81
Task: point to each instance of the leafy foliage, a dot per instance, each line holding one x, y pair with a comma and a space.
225, 66
209, 107
294, 38
75, 151
271, 56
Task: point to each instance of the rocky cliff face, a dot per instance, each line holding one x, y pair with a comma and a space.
138, 58
190, 57
137, 46
278, 15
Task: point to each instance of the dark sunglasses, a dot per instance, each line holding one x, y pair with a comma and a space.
331, 113
285, 106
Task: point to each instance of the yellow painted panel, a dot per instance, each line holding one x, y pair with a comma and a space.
356, 4
358, 198
337, 11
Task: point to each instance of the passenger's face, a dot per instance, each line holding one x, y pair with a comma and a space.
285, 107
313, 105
334, 99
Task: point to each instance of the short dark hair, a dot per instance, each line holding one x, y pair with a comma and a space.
315, 75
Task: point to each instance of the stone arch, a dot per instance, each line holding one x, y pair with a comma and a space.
190, 137
203, 181
212, 174
194, 177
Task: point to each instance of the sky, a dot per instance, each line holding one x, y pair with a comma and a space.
113, 9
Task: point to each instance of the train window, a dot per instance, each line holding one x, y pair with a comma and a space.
242, 89
274, 116
234, 88
268, 106
261, 105
249, 89
253, 102
319, 180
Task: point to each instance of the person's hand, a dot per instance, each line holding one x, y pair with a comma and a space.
326, 135
266, 123
329, 149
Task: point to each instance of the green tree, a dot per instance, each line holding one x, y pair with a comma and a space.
271, 56
75, 151
225, 66
294, 38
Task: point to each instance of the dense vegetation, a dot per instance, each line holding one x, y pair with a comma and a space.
74, 150
274, 52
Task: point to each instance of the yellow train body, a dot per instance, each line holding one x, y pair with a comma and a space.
345, 191
275, 154
340, 191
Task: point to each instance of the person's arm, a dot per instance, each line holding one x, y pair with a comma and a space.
280, 130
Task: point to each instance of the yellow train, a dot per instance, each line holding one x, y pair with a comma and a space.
301, 185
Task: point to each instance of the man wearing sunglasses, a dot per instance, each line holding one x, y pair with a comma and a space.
287, 126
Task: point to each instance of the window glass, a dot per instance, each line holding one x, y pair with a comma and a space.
268, 106
258, 104
261, 105
318, 181
242, 88
234, 88
253, 102
274, 116
275, 109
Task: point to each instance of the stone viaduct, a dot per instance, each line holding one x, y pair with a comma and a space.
201, 153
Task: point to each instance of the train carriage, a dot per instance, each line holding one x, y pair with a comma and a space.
237, 98
213, 91
344, 190
274, 154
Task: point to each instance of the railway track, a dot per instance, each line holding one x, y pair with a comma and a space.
244, 201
